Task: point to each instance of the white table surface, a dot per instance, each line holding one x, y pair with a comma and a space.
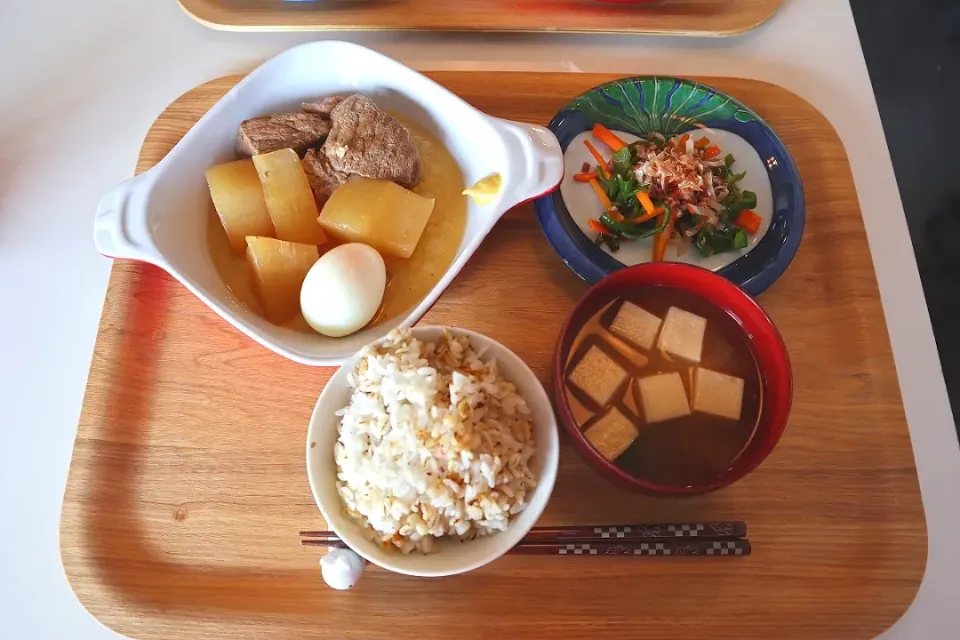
82, 82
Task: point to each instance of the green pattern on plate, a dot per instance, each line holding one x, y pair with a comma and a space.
665, 105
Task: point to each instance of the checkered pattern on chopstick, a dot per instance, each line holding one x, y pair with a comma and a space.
668, 548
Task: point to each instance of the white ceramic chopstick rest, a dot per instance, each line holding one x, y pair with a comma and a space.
341, 568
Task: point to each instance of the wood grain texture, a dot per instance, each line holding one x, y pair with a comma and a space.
188, 484
676, 17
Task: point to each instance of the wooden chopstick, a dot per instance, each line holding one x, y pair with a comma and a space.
635, 547
603, 533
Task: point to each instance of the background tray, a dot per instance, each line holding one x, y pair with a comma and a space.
677, 17
187, 486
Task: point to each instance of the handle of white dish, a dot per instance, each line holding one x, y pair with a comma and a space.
537, 161
120, 227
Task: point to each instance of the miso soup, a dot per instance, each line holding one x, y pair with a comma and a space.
679, 371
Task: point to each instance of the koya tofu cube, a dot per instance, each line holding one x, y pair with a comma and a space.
682, 335
611, 434
662, 397
597, 375
636, 325
717, 393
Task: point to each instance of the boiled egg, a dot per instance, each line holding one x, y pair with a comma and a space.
343, 290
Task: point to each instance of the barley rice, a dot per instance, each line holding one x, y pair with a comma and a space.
433, 443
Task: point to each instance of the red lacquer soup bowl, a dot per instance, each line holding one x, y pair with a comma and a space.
759, 333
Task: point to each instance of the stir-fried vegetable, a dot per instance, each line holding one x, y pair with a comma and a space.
649, 215
598, 227
608, 137
647, 203
661, 240
716, 240
669, 189
711, 152
632, 230
601, 194
748, 221
601, 164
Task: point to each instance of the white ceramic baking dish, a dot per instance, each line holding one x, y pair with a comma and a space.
160, 216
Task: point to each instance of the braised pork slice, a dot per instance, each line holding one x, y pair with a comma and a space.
296, 131
322, 106
323, 178
367, 142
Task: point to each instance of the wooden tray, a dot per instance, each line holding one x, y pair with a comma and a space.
675, 17
188, 488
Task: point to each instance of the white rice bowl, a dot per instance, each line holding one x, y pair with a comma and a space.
430, 451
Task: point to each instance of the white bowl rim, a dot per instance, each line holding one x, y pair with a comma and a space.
535, 506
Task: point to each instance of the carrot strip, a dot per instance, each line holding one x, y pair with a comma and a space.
711, 152
683, 139
585, 177
601, 163
748, 221
615, 214
645, 201
608, 137
601, 194
702, 143
597, 226
648, 216
660, 241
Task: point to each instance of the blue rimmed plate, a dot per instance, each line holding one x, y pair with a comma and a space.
633, 107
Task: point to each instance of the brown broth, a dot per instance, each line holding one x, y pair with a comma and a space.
688, 451
408, 280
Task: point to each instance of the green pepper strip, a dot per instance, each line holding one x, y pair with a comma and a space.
631, 232
748, 200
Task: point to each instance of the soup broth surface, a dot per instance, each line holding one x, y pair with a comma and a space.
685, 451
